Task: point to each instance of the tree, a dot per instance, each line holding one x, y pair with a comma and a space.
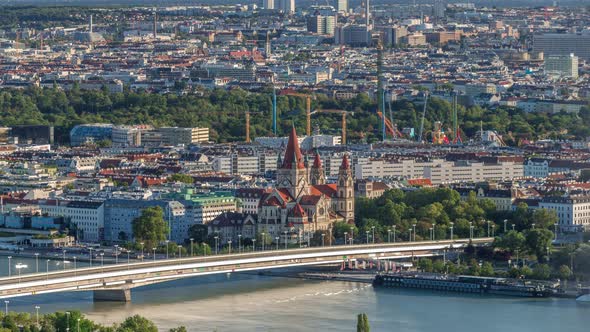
425, 265
511, 241
487, 270
542, 272
183, 178
198, 232
179, 329
362, 323
564, 272
538, 241
150, 227
137, 324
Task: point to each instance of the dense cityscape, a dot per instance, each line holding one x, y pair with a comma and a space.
433, 144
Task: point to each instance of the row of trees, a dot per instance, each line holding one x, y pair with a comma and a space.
223, 111
439, 209
73, 321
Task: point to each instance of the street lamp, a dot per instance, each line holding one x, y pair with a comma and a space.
555, 231
505, 221
513, 225
471, 230
277, 242
239, 243
192, 246
37, 262
367, 232
78, 324
433, 225
141, 244
68, 321
394, 226
373, 234
351, 235
452, 223
323, 234
254, 245
9, 266
37, 310
167, 241
179, 251
345, 237
389, 235
229, 246
90, 256
154, 249
414, 231
430, 233
533, 224
216, 244
285, 239
493, 230
47, 269
6, 303
116, 254
263, 240
19, 267
488, 228
102, 261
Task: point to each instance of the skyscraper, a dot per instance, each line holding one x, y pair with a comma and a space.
342, 6
268, 4
287, 6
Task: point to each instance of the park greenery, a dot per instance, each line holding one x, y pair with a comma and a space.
150, 228
72, 321
224, 112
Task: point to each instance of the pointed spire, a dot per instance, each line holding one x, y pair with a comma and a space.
317, 162
345, 163
293, 158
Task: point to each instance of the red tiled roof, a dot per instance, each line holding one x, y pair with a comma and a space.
325, 189
298, 211
310, 199
420, 182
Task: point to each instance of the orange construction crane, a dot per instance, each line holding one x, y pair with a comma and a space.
343, 113
308, 99
391, 129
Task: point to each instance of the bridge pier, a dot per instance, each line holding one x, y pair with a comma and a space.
112, 295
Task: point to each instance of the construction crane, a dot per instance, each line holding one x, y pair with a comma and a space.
341, 112
248, 114
421, 132
308, 99
456, 131
391, 128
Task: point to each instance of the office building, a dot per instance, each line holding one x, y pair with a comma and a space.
342, 6
353, 35
268, 4
562, 65
563, 44
33, 134
90, 133
322, 25
287, 6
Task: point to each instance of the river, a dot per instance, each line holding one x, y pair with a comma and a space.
239, 302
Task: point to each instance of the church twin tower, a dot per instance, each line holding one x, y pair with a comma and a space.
294, 175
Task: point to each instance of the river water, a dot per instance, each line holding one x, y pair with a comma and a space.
239, 302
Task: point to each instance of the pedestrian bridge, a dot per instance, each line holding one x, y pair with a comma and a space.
113, 282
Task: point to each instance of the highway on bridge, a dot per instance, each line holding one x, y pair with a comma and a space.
113, 282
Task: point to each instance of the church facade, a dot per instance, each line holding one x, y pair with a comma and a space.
302, 202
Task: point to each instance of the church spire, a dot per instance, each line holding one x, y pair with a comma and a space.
293, 158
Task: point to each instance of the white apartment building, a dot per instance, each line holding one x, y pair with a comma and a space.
438, 171
88, 217
236, 164
573, 212
536, 168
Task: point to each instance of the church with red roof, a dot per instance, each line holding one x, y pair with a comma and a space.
302, 202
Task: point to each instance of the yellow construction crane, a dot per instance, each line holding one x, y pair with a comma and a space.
336, 111
308, 98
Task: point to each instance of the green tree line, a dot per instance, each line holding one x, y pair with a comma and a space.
224, 112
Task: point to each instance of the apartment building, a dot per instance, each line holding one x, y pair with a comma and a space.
573, 212
87, 216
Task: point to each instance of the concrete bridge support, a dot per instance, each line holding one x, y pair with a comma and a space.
112, 295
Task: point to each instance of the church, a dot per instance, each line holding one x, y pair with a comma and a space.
302, 202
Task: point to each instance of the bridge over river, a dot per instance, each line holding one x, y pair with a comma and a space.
114, 282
